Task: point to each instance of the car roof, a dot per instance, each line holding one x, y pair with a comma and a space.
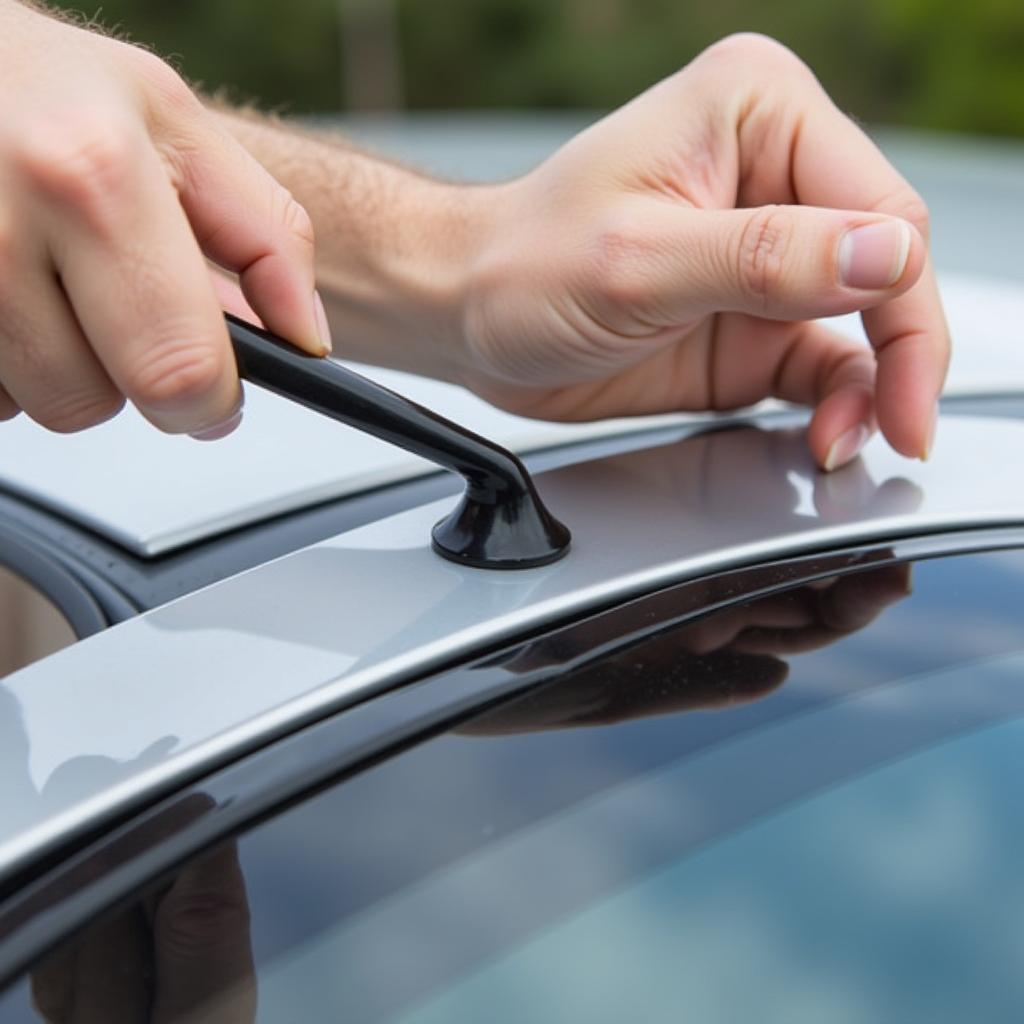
148, 704
153, 494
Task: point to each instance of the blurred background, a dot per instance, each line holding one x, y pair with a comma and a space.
937, 64
486, 89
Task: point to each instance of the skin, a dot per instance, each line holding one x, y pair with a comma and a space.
673, 256
116, 183
686, 276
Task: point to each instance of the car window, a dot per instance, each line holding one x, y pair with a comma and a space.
803, 807
31, 626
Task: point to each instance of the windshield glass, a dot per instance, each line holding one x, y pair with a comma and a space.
803, 807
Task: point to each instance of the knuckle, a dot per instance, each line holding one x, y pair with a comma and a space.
8, 407
752, 49
911, 207
296, 219
761, 251
172, 374
619, 266
69, 413
757, 67
63, 394
8, 256
82, 161
198, 922
163, 83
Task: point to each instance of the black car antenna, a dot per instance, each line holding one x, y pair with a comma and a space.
500, 522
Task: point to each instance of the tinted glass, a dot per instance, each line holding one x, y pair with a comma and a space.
804, 808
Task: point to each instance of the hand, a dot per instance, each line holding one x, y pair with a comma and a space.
115, 184
644, 267
184, 955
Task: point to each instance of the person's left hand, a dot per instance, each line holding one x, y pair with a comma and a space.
646, 268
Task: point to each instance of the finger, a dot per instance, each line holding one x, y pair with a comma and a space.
673, 681
669, 264
250, 224
10, 254
846, 606
718, 630
782, 642
46, 364
230, 296
913, 347
103, 979
855, 601
659, 679
202, 945
806, 363
133, 273
9, 408
835, 164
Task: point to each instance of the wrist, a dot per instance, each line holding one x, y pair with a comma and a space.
397, 254
395, 250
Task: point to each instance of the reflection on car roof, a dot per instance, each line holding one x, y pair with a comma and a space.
159, 698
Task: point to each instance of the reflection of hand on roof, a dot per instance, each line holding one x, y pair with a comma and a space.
722, 659
183, 954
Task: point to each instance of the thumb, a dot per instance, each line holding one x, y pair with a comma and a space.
777, 262
247, 222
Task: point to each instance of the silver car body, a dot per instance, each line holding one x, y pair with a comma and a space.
150, 703
131, 712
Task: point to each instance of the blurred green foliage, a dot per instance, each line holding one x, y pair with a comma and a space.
932, 63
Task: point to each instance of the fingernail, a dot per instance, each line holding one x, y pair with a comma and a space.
222, 429
322, 326
846, 446
875, 255
929, 443
219, 430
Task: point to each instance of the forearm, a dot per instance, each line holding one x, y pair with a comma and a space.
393, 248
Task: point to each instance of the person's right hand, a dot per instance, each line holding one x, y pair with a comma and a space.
115, 182
677, 255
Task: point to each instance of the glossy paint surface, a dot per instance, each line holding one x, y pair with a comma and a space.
142, 706
153, 493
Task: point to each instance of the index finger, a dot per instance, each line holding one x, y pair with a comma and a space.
133, 272
835, 164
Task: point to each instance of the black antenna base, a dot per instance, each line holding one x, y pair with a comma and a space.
500, 523
515, 531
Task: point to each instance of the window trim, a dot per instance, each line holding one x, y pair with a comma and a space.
54, 581
64, 893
